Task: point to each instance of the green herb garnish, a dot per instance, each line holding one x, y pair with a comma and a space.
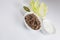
26, 9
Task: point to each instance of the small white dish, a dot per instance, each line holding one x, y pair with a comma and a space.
40, 19
49, 27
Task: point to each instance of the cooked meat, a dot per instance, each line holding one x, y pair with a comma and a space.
33, 21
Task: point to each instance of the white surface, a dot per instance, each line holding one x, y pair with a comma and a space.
12, 26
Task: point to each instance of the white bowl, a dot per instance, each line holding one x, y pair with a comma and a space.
40, 19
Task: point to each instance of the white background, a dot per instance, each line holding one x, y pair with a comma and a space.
13, 28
